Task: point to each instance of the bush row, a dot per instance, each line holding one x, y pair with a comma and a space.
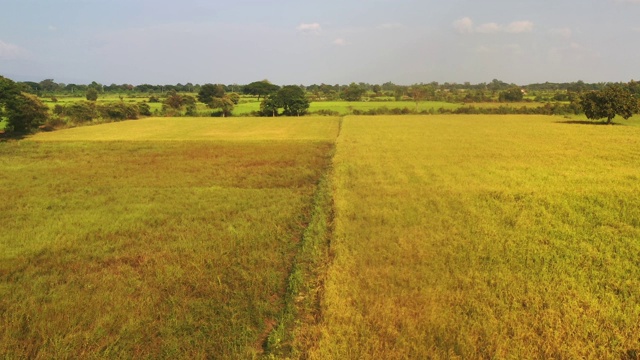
85, 111
547, 109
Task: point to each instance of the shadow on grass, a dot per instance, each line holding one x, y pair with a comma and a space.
586, 122
6, 136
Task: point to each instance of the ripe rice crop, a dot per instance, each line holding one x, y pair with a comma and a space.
483, 237
148, 239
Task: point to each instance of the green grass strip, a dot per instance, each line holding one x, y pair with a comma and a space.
297, 328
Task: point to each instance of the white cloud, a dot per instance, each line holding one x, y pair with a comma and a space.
312, 28
518, 27
463, 26
340, 42
489, 28
10, 51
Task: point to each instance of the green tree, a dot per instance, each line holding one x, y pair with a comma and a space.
607, 103
224, 105
26, 112
260, 88
290, 98
48, 85
514, 94
22, 111
418, 93
234, 97
353, 92
209, 91
92, 94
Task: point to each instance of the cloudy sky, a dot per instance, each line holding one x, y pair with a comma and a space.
320, 41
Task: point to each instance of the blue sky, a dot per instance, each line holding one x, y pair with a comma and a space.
329, 41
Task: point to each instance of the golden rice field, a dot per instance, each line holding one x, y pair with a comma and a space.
484, 237
152, 239
386, 237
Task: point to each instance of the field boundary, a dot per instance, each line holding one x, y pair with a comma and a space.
298, 329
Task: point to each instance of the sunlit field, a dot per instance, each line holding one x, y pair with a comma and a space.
347, 107
158, 238
483, 237
307, 128
380, 237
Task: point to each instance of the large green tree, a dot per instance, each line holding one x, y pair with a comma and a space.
353, 92
260, 88
291, 99
216, 98
514, 94
209, 91
24, 112
607, 103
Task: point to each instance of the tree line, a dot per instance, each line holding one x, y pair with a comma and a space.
23, 111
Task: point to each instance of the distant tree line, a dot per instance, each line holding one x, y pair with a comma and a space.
23, 111
434, 90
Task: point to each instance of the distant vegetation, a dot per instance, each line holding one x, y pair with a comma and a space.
114, 102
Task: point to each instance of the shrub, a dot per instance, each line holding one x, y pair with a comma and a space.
82, 111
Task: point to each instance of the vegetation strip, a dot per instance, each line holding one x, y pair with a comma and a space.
297, 330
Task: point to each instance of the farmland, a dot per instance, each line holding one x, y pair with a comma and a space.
137, 247
383, 237
484, 237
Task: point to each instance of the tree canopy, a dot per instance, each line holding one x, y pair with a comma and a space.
353, 92
260, 88
92, 94
290, 98
24, 112
514, 94
209, 91
607, 103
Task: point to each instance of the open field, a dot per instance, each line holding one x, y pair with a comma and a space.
484, 237
307, 128
454, 236
151, 246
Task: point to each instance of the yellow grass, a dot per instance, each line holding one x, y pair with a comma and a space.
155, 249
483, 237
210, 129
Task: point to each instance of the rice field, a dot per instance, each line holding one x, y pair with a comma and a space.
386, 237
483, 237
121, 244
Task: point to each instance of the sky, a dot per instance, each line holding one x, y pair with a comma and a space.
324, 41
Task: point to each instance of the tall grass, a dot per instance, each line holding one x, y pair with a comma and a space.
483, 237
